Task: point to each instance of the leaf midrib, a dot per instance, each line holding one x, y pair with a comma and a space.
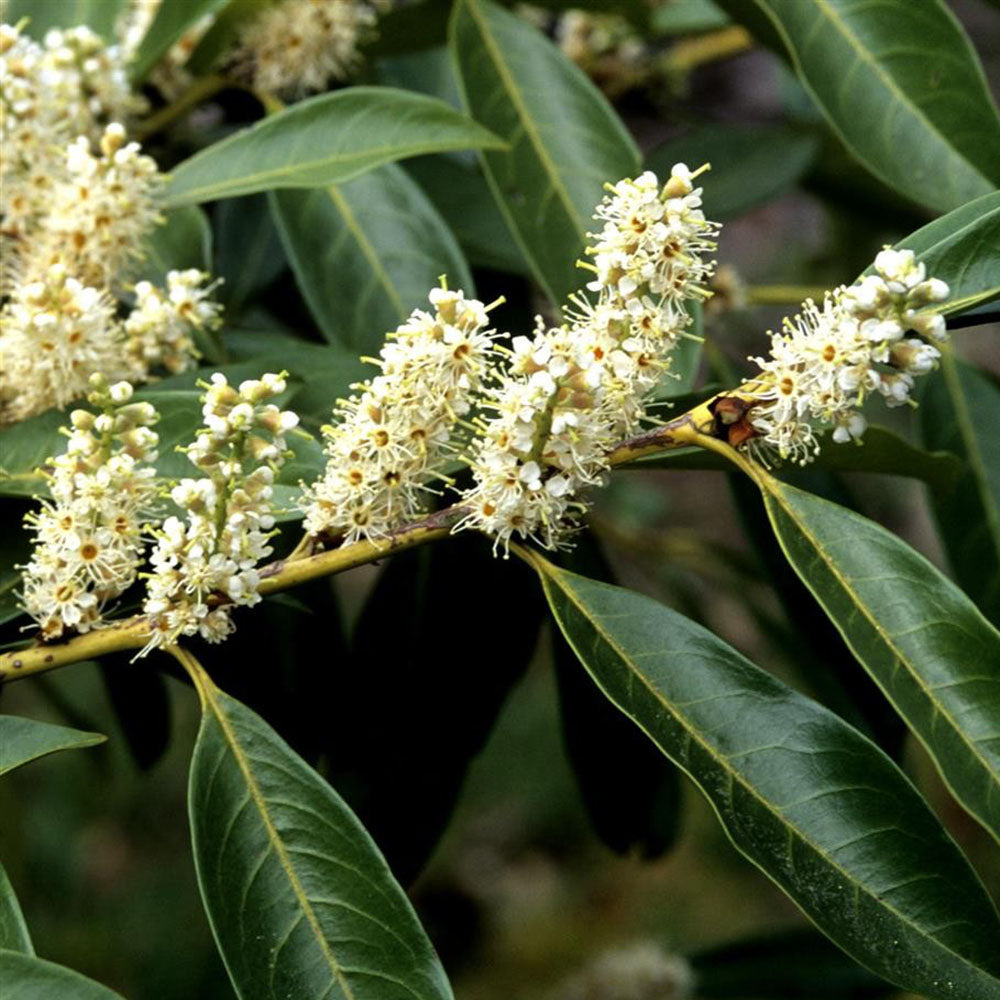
862, 54
774, 489
208, 691
529, 125
736, 775
891, 85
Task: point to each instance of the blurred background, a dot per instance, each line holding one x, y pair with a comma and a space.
550, 852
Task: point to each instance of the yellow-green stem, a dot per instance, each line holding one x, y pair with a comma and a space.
200, 90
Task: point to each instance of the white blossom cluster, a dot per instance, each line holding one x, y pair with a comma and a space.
296, 47
89, 538
99, 211
214, 550
571, 393
50, 94
394, 436
55, 332
827, 360
77, 202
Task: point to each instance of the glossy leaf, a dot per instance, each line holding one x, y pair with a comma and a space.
960, 411
963, 248
98, 15
565, 141
366, 253
797, 964
750, 166
632, 794
248, 254
14, 934
462, 195
169, 24
922, 640
324, 140
24, 740
817, 806
183, 241
300, 900
682, 17
26, 977
901, 85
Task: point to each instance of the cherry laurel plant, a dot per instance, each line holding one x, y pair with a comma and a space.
190, 459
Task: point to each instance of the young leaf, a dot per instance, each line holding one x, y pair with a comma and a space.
169, 24
24, 740
98, 15
366, 253
26, 977
817, 806
324, 140
934, 136
565, 141
750, 166
960, 411
13, 930
922, 640
300, 900
962, 248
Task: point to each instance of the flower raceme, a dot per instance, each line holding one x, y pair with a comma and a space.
395, 436
826, 361
89, 538
215, 549
572, 392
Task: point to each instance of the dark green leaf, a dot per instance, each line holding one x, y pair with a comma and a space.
24, 740
141, 704
811, 801
411, 28
795, 965
13, 930
960, 411
366, 253
900, 83
98, 15
463, 197
750, 165
923, 641
400, 755
26, 977
169, 24
248, 254
300, 900
963, 248
183, 241
324, 140
565, 141
631, 793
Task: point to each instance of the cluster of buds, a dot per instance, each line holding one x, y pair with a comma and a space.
89, 538
159, 330
212, 553
71, 85
396, 434
296, 47
100, 211
827, 360
56, 332
572, 392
